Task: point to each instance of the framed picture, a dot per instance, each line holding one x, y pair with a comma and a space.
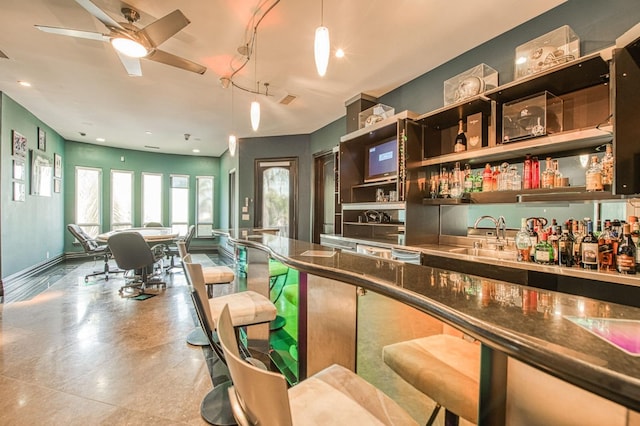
42, 139
57, 185
19, 147
41, 174
18, 191
18, 169
57, 166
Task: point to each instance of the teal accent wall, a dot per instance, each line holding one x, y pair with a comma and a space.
31, 231
108, 159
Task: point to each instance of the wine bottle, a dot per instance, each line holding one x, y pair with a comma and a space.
589, 248
460, 144
626, 255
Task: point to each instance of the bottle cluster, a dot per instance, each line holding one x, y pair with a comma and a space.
611, 246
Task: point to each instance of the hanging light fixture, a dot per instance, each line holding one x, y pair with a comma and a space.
322, 45
233, 141
255, 105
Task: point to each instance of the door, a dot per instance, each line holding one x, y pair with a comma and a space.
276, 195
324, 195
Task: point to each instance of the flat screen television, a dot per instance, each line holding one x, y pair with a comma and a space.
381, 161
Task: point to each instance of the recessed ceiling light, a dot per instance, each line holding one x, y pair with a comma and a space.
196, 150
100, 139
148, 132
24, 83
340, 53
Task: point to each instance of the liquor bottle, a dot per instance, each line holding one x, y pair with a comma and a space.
495, 178
605, 248
455, 187
627, 252
526, 172
548, 175
487, 178
565, 248
607, 168
444, 183
460, 144
578, 233
533, 237
544, 251
635, 228
468, 179
557, 176
594, 175
553, 238
477, 182
535, 173
589, 248
523, 242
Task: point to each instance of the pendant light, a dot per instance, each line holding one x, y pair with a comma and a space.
322, 45
233, 141
255, 105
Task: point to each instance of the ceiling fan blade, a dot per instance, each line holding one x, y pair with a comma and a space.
98, 13
176, 61
164, 28
132, 65
73, 33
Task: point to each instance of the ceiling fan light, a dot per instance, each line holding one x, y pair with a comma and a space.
321, 50
255, 115
129, 47
233, 142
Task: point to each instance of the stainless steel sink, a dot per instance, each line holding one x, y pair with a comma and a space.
494, 254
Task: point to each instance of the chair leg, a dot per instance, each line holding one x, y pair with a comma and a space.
216, 406
434, 414
450, 419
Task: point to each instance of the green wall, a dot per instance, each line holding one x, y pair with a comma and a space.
108, 159
31, 231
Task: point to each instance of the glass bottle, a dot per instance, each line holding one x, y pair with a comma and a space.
627, 252
535, 173
477, 182
523, 242
487, 178
533, 237
526, 172
589, 248
553, 238
565, 248
515, 180
544, 250
635, 228
557, 176
444, 183
495, 178
594, 175
607, 168
468, 179
578, 233
460, 143
605, 248
548, 175
455, 187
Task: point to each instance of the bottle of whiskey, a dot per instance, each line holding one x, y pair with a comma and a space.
578, 233
544, 251
455, 186
548, 175
523, 242
607, 168
565, 248
626, 255
487, 179
589, 248
594, 175
605, 248
460, 144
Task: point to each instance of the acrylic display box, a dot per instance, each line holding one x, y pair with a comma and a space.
530, 117
374, 114
559, 46
470, 83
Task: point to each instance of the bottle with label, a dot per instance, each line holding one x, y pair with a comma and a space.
455, 186
548, 175
526, 172
578, 233
535, 173
487, 178
565, 248
544, 251
523, 242
557, 176
594, 175
477, 182
627, 252
443, 192
533, 237
635, 228
607, 168
468, 179
605, 248
460, 143
553, 237
495, 178
589, 248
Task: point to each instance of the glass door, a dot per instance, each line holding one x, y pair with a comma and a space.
276, 195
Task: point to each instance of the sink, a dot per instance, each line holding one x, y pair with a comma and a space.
494, 254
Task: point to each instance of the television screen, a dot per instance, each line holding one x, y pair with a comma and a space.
381, 161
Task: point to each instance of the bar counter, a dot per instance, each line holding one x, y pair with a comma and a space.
537, 327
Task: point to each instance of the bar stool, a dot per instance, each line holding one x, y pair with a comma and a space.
247, 308
445, 368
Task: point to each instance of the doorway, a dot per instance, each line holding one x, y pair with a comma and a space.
232, 199
324, 195
276, 195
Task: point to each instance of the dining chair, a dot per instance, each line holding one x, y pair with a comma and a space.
172, 250
153, 225
132, 253
92, 248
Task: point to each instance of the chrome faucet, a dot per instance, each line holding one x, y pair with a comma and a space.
500, 224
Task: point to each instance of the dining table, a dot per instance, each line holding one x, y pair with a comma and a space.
151, 235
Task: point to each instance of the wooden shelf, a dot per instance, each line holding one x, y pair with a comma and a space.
373, 206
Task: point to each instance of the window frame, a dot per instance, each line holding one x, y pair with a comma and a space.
112, 223
198, 223
142, 198
86, 225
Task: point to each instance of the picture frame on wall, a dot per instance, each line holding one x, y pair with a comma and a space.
18, 191
18, 169
42, 139
41, 174
19, 144
57, 185
57, 166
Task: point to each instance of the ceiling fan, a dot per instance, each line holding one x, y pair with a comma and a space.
131, 42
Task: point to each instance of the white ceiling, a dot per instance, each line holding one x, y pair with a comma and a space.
80, 86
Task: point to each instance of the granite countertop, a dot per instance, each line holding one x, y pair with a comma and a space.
545, 329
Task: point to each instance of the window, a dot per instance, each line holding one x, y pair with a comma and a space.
121, 199
179, 208
151, 198
88, 200
204, 206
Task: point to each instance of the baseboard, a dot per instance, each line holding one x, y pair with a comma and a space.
18, 284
